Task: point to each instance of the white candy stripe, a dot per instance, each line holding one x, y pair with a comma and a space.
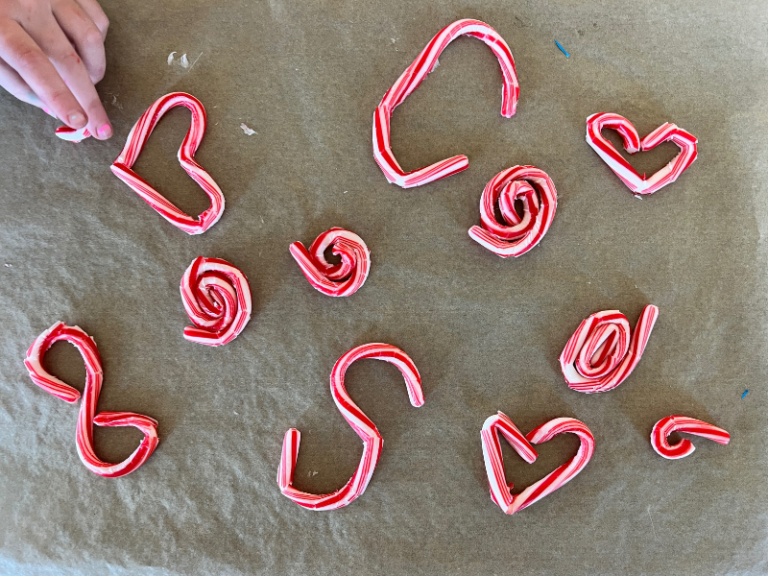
217, 298
664, 427
137, 138
517, 235
409, 81
87, 415
632, 143
360, 423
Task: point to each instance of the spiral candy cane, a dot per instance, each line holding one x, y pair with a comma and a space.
343, 279
601, 355
409, 81
684, 447
519, 234
94, 378
360, 423
217, 298
138, 137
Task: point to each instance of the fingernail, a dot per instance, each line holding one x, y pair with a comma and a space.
76, 120
105, 131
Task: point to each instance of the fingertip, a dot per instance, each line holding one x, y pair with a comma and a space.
104, 132
76, 120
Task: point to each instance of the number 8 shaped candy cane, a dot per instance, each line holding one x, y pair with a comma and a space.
87, 416
360, 423
409, 81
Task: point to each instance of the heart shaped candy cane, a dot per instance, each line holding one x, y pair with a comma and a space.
87, 416
343, 279
666, 132
217, 298
494, 464
685, 447
360, 423
138, 137
518, 234
601, 355
409, 81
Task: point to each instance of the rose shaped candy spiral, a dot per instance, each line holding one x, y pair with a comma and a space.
217, 298
519, 233
342, 279
684, 447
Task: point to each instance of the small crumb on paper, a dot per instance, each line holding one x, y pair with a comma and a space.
562, 49
393, 40
248, 131
742, 396
345, 191
638, 197
170, 58
8, 265
184, 61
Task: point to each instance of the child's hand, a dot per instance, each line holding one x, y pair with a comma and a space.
52, 54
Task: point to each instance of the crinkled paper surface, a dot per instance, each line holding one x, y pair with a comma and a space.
77, 245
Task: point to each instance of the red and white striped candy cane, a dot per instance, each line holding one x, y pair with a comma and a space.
494, 464
360, 423
217, 298
413, 76
72, 135
632, 143
87, 416
343, 279
684, 447
122, 166
519, 234
601, 354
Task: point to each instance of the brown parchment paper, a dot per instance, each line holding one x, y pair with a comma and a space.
77, 245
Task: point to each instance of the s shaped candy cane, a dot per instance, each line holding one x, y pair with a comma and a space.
87, 416
343, 279
360, 423
140, 133
494, 464
600, 355
519, 234
685, 447
217, 298
409, 81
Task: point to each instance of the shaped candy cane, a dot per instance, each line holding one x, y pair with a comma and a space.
72, 135
217, 298
360, 423
519, 234
87, 416
413, 76
494, 464
343, 279
664, 133
600, 355
138, 137
685, 447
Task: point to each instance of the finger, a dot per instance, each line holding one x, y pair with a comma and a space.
55, 44
21, 53
84, 34
15, 85
96, 14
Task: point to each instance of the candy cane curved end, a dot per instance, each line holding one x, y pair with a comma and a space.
72, 135
664, 427
410, 80
360, 423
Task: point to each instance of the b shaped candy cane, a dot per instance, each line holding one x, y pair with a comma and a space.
518, 234
140, 133
684, 447
343, 279
360, 423
601, 355
409, 81
87, 417
494, 464
217, 298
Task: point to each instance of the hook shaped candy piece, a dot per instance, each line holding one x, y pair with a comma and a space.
409, 81
360, 423
519, 234
664, 427
72, 135
140, 133
343, 279
601, 354
217, 298
494, 464
94, 377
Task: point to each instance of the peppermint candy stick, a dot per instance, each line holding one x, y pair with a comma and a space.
684, 447
409, 81
360, 423
87, 416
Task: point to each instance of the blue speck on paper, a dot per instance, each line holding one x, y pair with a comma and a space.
562, 49
745, 393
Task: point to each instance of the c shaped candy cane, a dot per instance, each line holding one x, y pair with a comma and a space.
684, 447
360, 423
87, 416
409, 81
